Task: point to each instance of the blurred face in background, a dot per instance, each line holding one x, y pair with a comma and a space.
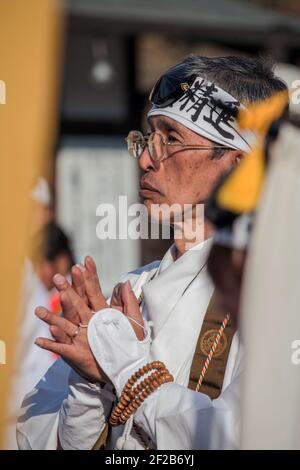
51, 253
46, 269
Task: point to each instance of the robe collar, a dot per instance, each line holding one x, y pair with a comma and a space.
172, 278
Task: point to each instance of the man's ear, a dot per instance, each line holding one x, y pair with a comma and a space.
232, 158
238, 157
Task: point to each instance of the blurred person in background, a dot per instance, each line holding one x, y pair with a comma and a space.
254, 264
41, 201
193, 141
270, 303
50, 253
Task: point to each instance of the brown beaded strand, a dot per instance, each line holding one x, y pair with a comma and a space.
130, 400
121, 416
149, 388
134, 394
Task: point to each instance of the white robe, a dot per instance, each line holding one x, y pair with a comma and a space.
271, 306
176, 301
31, 363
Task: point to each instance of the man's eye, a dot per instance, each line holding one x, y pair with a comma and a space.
172, 139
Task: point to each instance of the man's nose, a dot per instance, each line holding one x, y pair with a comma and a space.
145, 161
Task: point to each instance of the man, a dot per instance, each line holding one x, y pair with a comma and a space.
194, 140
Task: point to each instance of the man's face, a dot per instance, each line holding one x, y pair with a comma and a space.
187, 176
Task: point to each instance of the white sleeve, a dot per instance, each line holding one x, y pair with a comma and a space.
83, 413
62, 400
115, 346
176, 417
38, 419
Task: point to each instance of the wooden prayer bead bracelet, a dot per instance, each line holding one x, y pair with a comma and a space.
134, 392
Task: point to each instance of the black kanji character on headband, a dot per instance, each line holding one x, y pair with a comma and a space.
225, 117
200, 96
220, 113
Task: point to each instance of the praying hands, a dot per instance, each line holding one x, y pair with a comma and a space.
79, 303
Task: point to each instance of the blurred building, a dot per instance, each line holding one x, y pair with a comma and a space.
286, 6
114, 53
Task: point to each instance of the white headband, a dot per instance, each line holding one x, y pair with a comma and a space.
210, 112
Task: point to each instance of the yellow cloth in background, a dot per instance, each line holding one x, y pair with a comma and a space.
30, 45
241, 190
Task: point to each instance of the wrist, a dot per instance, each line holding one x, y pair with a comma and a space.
77, 380
115, 347
83, 413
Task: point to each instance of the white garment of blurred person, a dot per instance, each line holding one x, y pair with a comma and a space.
50, 254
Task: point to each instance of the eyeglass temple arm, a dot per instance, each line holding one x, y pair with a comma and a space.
204, 147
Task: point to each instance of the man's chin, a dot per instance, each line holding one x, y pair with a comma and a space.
151, 202
150, 207
158, 212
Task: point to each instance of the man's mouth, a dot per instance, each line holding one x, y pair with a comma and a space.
146, 189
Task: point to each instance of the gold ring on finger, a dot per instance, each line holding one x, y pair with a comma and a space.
75, 333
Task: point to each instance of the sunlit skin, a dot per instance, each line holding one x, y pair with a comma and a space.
187, 176
79, 303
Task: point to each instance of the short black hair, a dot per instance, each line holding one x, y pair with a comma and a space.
56, 242
50, 243
248, 79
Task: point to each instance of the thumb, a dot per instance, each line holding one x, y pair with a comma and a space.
116, 299
131, 309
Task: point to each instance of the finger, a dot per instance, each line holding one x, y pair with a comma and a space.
90, 265
69, 311
78, 282
53, 319
59, 335
57, 348
132, 310
92, 285
60, 282
62, 285
78, 303
116, 298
